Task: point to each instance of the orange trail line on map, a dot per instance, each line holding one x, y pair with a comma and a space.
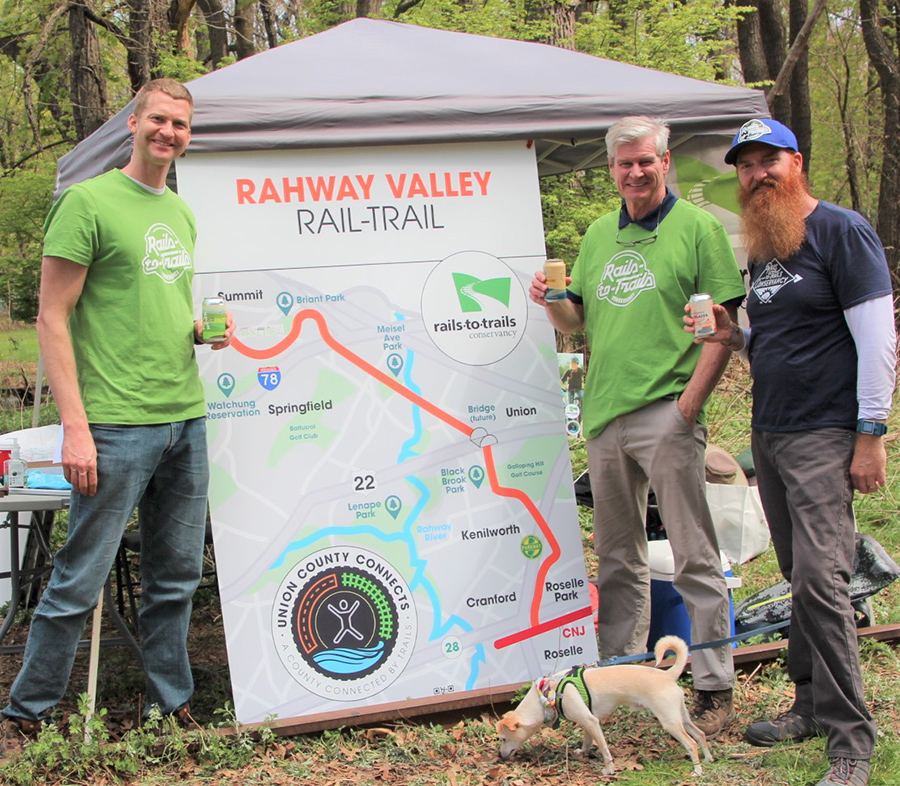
356, 360
555, 551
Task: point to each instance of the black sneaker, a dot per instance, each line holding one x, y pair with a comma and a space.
847, 772
790, 726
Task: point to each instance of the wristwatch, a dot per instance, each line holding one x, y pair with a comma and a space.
874, 427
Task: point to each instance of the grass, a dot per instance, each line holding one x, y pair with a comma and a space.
19, 344
463, 752
18, 373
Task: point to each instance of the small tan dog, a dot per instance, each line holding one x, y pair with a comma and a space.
608, 687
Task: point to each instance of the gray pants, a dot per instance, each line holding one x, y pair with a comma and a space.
655, 446
806, 492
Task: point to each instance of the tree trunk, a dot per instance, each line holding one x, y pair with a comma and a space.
244, 13
801, 119
268, 17
179, 14
89, 105
147, 19
885, 61
771, 28
216, 30
562, 24
750, 50
366, 8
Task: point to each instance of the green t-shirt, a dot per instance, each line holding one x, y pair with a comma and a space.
132, 328
634, 303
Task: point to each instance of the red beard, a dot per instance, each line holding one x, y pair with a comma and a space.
773, 223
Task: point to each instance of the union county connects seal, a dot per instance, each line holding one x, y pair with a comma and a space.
344, 623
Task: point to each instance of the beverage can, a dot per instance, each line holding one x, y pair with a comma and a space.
555, 271
215, 319
702, 314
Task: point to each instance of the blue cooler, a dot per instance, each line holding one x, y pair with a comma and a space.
668, 615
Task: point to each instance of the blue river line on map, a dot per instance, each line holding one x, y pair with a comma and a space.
406, 536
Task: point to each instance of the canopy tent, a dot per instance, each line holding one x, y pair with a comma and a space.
371, 82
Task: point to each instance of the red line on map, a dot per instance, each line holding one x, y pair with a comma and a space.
555, 551
537, 630
356, 360
537, 626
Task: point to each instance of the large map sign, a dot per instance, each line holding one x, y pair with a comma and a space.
391, 491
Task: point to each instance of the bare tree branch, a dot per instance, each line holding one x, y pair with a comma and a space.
33, 56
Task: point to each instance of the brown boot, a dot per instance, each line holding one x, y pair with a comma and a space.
185, 720
15, 732
713, 710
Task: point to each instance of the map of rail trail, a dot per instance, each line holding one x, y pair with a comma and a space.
391, 490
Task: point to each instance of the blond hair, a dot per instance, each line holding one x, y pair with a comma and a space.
171, 87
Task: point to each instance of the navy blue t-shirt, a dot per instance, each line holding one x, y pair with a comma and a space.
802, 356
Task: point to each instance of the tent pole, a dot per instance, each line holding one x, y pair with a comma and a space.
38, 392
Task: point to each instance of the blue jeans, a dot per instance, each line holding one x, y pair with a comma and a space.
163, 471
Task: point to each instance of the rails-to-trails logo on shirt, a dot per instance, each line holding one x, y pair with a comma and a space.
344, 623
474, 308
164, 255
771, 280
624, 277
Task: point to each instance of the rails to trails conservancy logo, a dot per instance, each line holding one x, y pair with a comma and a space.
164, 255
344, 623
474, 308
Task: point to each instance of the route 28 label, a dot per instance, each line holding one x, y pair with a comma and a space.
344, 623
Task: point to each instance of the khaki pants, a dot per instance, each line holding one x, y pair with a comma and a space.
655, 446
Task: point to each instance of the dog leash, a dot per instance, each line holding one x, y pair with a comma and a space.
702, 646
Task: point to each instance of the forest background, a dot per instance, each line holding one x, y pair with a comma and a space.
830, 70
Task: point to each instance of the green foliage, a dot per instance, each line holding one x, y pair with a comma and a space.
846, 111
84, 750
496, 18
25, 198
175, 64
570, 203
681, 38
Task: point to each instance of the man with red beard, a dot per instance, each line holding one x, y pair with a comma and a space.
821, 348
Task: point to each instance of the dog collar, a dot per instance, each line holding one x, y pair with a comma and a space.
548, 701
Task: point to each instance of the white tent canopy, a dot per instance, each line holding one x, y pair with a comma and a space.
369, 82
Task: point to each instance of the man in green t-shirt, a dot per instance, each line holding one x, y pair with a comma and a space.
117, 334
643, 401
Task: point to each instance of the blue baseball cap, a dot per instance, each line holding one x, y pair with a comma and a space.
769, 132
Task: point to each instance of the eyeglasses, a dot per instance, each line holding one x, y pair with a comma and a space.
644, 241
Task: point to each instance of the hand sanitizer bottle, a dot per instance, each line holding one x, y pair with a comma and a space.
14, 468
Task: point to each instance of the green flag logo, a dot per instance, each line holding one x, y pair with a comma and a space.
470, 290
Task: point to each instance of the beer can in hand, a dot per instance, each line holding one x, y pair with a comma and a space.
702, 314
555, 271
215, 319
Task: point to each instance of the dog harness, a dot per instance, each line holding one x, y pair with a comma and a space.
552, 699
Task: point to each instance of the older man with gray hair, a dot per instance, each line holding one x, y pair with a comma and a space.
643, 402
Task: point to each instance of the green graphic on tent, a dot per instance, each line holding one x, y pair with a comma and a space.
471, 291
